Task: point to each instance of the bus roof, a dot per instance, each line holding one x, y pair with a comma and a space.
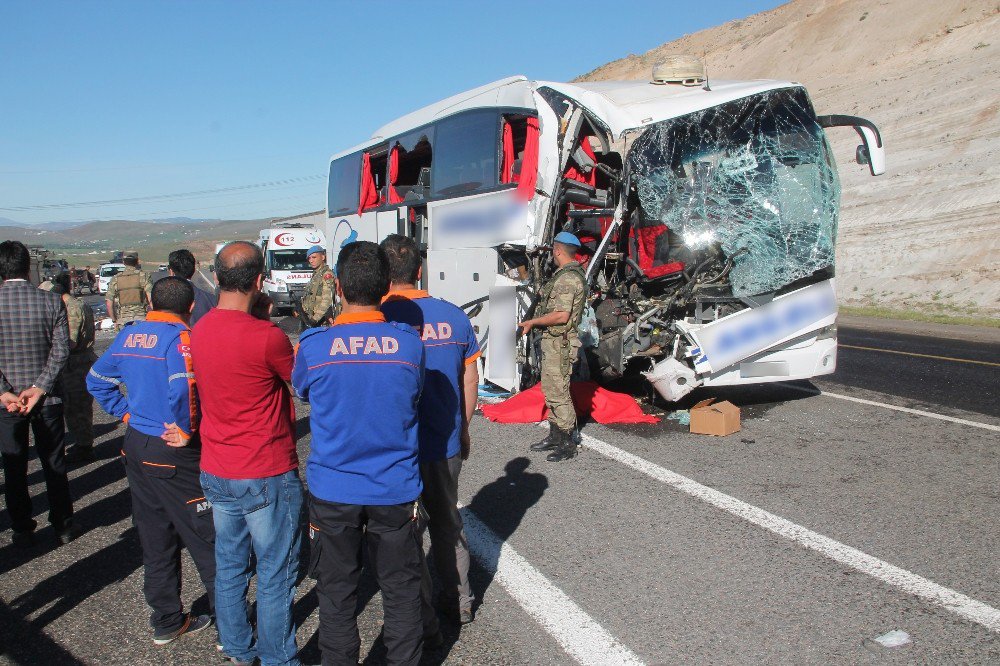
514, 91
621, 105
626, 105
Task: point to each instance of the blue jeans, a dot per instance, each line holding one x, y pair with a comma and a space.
262, 515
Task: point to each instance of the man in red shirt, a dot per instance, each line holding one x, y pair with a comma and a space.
249, 468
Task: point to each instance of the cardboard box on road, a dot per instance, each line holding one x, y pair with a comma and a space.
715, 418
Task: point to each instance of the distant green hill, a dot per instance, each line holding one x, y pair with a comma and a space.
95, 242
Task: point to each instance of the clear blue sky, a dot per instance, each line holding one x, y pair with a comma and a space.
106, 101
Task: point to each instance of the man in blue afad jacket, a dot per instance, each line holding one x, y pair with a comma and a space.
152, 359
363, 377
446, 407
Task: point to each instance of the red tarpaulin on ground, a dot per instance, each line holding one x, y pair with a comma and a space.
602, 405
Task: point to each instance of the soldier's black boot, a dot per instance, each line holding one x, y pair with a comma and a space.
548, 443
565, 449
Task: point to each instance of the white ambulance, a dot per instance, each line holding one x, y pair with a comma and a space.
286, 270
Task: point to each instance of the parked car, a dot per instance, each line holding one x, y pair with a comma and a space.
104, 276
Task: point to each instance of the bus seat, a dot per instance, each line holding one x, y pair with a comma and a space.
652, 250
583, 162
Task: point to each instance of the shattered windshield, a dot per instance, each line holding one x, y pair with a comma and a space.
753, 178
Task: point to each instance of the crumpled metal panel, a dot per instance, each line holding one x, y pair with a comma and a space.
753, 178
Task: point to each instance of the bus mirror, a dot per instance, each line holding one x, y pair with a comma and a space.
871, 152
861, 155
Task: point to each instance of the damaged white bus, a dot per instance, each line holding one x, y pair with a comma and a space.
707, 212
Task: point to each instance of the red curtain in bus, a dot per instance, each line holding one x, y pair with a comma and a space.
369, 195
507, 166
394, 196
529, 163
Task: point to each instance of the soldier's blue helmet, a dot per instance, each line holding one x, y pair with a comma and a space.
314, 249
566, 238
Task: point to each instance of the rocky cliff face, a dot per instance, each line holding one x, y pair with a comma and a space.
925, 235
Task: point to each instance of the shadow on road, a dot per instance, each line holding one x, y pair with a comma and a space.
22, 642
501, 505
67, 589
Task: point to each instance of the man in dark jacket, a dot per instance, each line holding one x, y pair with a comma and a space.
34, 346
182, 264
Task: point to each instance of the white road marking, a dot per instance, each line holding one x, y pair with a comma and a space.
918, 412
209, 283
902, 579
575, 631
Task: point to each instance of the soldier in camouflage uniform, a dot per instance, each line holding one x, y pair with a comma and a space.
559, 312
130, 290
78, 404
319, 294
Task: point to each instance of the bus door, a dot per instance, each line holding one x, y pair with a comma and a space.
464, 265
463, 277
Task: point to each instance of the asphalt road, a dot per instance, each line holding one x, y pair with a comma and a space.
832, 518
955, 373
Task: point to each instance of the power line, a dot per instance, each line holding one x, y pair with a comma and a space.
303, 197
136, 167
164, 197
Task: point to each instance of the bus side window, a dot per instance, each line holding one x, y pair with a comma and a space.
466, 153
409, 158
343, 193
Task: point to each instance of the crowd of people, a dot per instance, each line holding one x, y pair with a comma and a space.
202, 383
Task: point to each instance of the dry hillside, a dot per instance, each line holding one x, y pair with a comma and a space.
94, 242
926, 234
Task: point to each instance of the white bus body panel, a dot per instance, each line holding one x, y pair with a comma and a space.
339, 231
742, 334
800, 359
500, 348
486, 220
779, 341
462, 277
